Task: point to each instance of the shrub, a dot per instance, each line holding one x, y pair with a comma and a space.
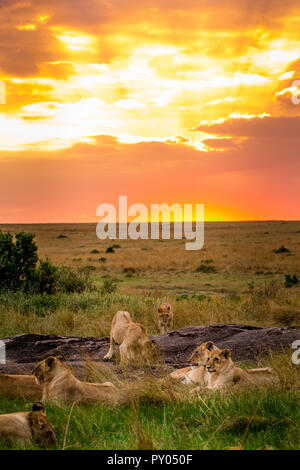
102, 259
206, 268
70, 281
62, 236
182, 297
110, 249
109, 286
290, 280
18, 259
47, 277
129, 272
282, 249
251, 285
94, 252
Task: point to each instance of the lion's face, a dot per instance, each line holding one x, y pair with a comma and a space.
150, 350
218, 361
165, 314
202, 354
41, 428
45, 370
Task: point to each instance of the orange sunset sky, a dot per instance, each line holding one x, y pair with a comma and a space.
162, 101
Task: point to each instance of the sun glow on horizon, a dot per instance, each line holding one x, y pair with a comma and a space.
156, 100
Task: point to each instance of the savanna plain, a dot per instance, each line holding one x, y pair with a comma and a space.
246, 273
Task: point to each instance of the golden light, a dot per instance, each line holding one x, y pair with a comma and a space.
75, 41
27, 27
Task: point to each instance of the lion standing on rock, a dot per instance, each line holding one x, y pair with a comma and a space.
59, 384
135, 344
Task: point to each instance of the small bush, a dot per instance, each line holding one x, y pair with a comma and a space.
290, 280
109, 286
94, 252
129, 272
251, 286
62, 236
69, 281
282, 249
18, 259
206, 268
102, 259
47, 278
182, 297
110, 249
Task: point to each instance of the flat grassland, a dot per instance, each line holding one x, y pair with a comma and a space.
236, 278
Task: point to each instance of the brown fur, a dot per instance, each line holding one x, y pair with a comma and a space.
196, 373
24, 428
59, 384
24, 386
135, 344
222, 372
165, 318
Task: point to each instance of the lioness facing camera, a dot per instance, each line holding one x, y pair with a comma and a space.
223, 372
59, 384
135, 344
197, 372
165, 318
24, 386
27, 427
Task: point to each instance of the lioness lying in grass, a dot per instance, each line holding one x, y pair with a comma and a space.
196, 373
222, 372
135, 345
59, 384
27, 427
24, 386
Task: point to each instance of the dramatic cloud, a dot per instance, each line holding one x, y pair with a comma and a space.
167, 101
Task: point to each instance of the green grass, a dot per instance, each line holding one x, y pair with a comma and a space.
248, 287
214, 421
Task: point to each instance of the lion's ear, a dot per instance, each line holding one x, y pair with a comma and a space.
226, 353
50, 360
209, 345
38, 406
60, 358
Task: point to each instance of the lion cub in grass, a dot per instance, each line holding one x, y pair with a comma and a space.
135, 345
222, 372
59, 384
196, 373
27, 427
165, 318
24, 386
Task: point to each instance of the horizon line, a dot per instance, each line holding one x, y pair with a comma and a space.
149, 222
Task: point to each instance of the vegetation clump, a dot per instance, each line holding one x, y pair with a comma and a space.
282, 249
206, 266
290, 280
